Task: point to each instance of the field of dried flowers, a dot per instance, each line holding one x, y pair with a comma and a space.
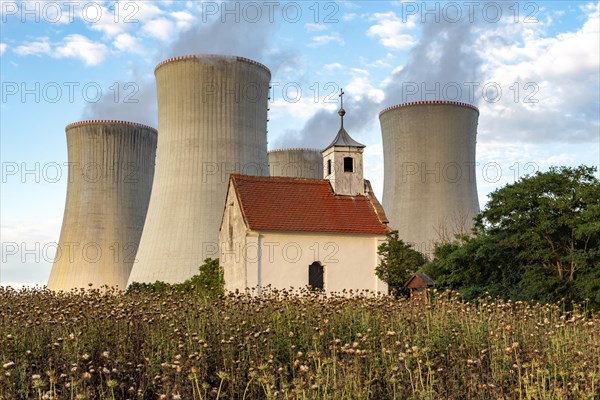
288, 346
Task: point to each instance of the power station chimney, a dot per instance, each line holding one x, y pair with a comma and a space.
111, 165
429, 189
212, 115
296, 163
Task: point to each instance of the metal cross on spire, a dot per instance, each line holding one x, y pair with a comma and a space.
342, 112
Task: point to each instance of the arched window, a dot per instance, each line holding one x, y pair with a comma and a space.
315, 275
328, 167
348, 164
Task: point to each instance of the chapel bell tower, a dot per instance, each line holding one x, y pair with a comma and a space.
343, 161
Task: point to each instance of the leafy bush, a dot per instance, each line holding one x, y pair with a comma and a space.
156, 287
398, 262
209, 282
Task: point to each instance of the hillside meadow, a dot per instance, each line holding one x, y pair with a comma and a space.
292, 345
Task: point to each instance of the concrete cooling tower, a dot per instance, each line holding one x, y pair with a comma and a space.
212, 118
111, 166
296, 163
429, 190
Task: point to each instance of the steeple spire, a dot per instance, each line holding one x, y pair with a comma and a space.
343, 139
342, 112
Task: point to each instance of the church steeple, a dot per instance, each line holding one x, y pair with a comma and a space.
343, 160
342, 112
343, 138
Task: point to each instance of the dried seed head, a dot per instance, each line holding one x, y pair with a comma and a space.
8, 365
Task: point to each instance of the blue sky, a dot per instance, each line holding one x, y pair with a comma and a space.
66, 61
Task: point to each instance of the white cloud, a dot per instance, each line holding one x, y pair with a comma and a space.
391, 30
128, 43
72, 46
110, 22
143, 10
360, 85
183, 19
160, 28
381, 63
79, 46
122, 16
302, 110
39, 47
360, 71
560, 72
311, 27
3, 47
332, 67
349, 17
321, 40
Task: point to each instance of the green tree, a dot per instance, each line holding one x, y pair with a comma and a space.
209, 282
474, 266
536, 239
398, 262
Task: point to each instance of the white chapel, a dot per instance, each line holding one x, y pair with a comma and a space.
294, 232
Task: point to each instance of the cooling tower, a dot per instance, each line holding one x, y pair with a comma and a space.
296, 163
429, 189
212, 117
111, 165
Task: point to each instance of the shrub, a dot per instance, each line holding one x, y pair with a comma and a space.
209, 282
398, 262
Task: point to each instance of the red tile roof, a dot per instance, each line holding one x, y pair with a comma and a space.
303, 205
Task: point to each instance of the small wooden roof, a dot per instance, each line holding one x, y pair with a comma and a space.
419, 281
